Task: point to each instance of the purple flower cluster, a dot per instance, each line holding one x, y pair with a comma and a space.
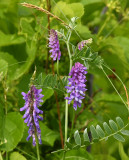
54, 45
84, 43
76, 84
32, 101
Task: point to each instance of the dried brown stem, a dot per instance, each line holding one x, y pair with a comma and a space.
48, 27
60, 127
28, 5
127, 96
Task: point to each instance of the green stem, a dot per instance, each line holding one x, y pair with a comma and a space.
72, 122
114, 87
101, 29
66, 107
1, 156
70, 57
66, 119
37, 148
64, 155
57, 67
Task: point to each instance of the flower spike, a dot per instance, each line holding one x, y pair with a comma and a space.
32, 117
76, 84
54, 45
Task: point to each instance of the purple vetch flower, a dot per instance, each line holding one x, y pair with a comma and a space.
76, 84
32, 101
84, 43
54, 45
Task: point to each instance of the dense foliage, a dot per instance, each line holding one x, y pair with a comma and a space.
99, 128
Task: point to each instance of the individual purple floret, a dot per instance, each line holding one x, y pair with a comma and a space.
76, 84
32, 101
54, 45
84, 43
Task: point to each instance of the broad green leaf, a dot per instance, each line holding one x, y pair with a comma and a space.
13, 131
77, 9
10, 39
122, 153
31, 53
107, 128
3, 68
94, 133
119, 137
125, 132
47, 94
47, 135
77, 138
86, 137
70, 10
83, 31
17, 156
100, 131
12, 63
120, 122
26, 27
124, 45
113, 125
90, 1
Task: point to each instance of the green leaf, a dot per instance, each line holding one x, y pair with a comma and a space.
122, 153
86, 137
69, 145
11, 61
26, 27
17, 156
125, 132
113, 125
119, 137
77, 9
10, 39
94, 133
87, 54
94, 56
31, 53
13, 131
120, 122
47, 94
107, 128
77, 138
124, 45
70, 10
100, 131
86, 64
47, 135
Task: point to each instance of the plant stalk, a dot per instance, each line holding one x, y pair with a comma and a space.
37, 149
